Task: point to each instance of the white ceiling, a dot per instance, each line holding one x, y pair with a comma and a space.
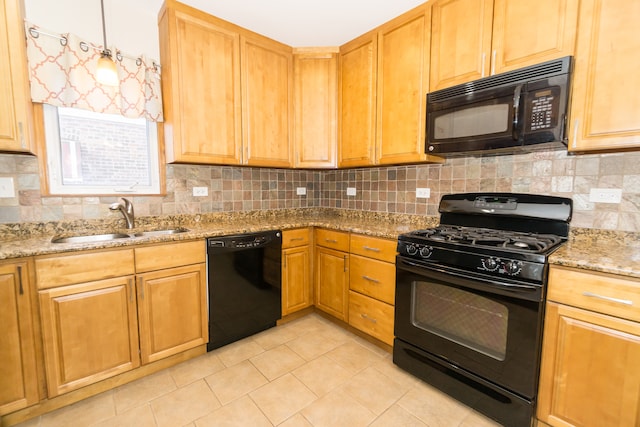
302, 23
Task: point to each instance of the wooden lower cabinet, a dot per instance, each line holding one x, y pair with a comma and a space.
89, 331
590, 372
332, 282
96, 326
172, 311
18, 380
371, 316
296, 265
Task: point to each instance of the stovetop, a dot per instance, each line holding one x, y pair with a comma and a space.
502, 235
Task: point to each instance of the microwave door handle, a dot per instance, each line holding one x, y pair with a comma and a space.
516, 111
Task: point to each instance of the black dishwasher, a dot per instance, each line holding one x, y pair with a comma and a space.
244, 277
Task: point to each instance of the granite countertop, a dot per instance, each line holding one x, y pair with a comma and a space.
595, 250
37, 241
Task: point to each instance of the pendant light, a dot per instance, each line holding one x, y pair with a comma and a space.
106, 72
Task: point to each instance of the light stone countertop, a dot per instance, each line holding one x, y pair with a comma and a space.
587, 249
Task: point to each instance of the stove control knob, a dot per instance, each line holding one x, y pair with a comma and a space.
513, 267
411, 249
426, 251
490, 264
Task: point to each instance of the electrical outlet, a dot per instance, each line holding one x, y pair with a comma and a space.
423, 193
7, 190
605, 195
200, 191
351, 191
301, 191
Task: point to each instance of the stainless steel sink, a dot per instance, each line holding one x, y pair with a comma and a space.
160, 232
90, 238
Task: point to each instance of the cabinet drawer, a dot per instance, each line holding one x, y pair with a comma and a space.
374, 278
371, 316
296, 237
150, 258
338, 240
604, 293
61, 270
373, 247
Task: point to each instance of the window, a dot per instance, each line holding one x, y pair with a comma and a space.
100, 154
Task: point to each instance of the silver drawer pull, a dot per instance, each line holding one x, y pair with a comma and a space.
611, 299
295, 239
367, 248
365, 317
331, 240
371, 279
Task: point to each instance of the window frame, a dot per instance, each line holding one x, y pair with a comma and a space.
45, 116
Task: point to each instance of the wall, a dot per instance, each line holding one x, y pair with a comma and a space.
380, 189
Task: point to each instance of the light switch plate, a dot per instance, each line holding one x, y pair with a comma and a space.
7, 189
200, 191
301, 191
423, 193
605, 195
351, 191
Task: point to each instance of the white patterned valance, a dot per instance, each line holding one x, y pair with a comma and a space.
62, 72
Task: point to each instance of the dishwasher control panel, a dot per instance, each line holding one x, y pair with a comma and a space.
245, 241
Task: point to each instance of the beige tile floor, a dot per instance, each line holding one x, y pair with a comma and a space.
309, 372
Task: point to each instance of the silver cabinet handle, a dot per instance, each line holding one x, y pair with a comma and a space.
295, 239
130, 284
606, 298
370, 279
365, 317
484, 55
345, 264
141, 285
331, 240
493, 62
367, 248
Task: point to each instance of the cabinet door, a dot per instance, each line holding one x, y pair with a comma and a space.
403, 75
590, 375
267, 77
332, 282
296, 280
89, 332
15, 105
172, 311
315, 105
527, 33
201, 88
18, 381
605, 105
460, 41
358, 77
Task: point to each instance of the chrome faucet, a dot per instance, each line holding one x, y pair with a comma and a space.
126, 207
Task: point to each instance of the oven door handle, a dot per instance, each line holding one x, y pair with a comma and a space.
492, 282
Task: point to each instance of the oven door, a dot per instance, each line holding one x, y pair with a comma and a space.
487, 327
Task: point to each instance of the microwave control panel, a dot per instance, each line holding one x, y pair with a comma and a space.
543, 107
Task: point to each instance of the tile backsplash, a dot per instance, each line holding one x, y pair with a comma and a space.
381, 189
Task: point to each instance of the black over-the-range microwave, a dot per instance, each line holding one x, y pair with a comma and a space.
519, 110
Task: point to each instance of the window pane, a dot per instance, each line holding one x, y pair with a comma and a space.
99, 154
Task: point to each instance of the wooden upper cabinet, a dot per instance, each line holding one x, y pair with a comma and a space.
477, 38
267, 79
460, 41
357, 94
201, 87
315, 104
605, 105
15, 106
403, 79
526, 33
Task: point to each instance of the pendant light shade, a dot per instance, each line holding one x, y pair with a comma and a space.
106, 73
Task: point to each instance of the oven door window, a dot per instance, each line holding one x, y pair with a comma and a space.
463, 317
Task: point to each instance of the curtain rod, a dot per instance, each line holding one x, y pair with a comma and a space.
35, 33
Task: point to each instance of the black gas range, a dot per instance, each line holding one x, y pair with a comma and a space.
470, 295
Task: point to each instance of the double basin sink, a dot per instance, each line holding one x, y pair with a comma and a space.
91, 238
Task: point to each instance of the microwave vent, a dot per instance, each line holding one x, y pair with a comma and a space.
534, 72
